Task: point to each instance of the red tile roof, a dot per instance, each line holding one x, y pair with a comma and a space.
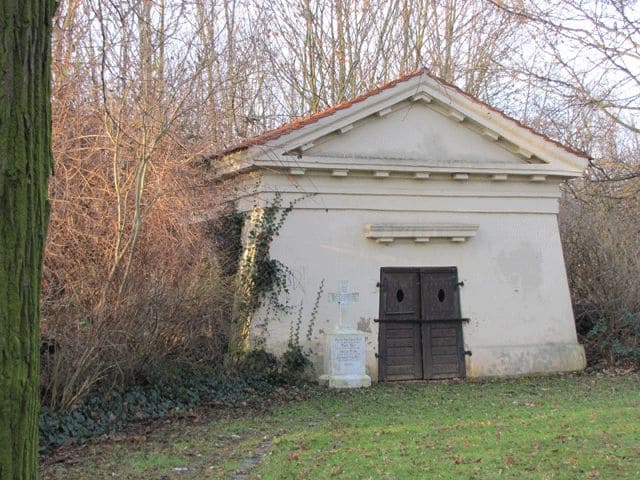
301, 122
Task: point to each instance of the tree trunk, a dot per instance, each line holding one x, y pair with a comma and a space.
25, 164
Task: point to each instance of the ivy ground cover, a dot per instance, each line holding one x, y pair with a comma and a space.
563, 427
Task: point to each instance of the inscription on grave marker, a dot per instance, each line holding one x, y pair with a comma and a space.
348, 354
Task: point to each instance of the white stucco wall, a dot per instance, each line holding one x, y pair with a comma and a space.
408, 133
515, 288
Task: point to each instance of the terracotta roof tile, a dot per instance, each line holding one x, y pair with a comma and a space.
301, 122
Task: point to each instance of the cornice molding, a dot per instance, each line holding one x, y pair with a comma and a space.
420, 233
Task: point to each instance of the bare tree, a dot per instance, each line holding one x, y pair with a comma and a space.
125, 253
328, 51
587, 63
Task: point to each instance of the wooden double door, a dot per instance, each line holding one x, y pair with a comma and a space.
420, 334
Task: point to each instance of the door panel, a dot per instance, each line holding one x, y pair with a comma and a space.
440, 295
400, 296
414, 340
443, 350
400, 351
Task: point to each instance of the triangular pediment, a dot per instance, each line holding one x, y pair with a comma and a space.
418, 122
415, 133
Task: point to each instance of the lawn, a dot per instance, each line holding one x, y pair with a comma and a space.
563, 427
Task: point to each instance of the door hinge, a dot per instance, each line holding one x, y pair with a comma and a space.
460, 284
468, 352
378, 355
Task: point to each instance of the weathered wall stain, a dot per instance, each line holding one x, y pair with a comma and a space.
364, 325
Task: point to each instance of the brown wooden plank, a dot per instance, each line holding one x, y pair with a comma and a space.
426, 350
400, 369
400, 351
400, 360
442, 376
443, 342
462, 368
451, 368
400, 326
443, 332
442, 359
395, 378
417, 346
399, 342
404, 333
401, 333
451, 350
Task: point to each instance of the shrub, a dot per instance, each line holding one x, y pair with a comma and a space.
173, 391
133, 275
294, 365
291, 368
602, 254
173, 310
106, 411
259, 364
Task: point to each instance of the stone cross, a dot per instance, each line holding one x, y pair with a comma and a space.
343, 298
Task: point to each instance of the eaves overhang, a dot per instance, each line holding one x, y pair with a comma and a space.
289, 147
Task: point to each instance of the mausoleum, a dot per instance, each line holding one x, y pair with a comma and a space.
421, 239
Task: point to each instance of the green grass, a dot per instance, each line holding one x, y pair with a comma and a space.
567, 427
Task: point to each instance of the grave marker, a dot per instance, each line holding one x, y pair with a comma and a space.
344, 349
